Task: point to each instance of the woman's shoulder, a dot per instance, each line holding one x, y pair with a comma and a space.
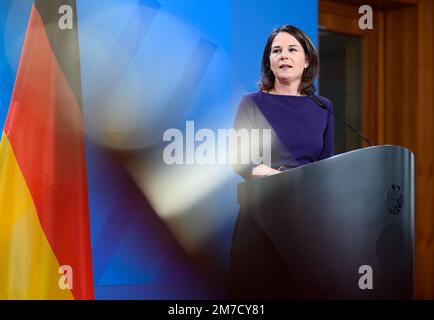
251, 96
326, 101
248, 106
248, 100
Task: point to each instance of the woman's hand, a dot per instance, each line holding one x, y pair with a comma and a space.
262, 170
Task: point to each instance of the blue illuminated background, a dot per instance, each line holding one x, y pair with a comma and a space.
159, 233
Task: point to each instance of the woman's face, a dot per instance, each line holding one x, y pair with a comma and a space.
287, 58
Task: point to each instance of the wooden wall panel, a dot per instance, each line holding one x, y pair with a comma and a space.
373, 82
401, 78
425, 153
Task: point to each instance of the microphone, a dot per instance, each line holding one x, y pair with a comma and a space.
310, 92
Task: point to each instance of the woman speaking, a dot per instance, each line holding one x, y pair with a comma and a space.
301, 133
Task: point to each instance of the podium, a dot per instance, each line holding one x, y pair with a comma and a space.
343, 226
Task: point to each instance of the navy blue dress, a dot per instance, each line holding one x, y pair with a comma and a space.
302, 132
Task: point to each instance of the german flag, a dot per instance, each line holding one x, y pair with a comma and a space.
44, 217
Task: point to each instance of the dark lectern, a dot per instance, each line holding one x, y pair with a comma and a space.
334, 221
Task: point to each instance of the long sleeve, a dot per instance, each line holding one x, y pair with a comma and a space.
245, 119
328, 148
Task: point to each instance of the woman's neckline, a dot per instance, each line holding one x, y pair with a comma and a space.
283, 95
